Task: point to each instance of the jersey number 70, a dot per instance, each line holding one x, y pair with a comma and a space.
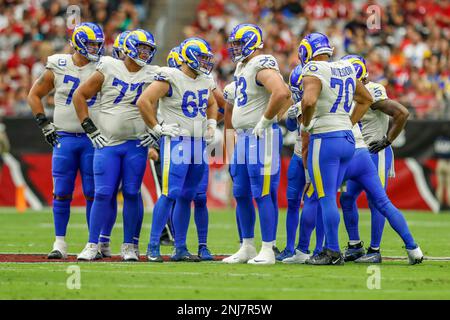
336, 82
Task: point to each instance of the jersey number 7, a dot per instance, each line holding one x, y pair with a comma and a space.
76, 83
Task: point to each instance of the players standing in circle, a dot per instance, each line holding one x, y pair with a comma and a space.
255, 168
189, 112
329, 89
120, 154
369, 172
72, 150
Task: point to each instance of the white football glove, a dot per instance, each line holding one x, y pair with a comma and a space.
261, 126
171, 130
307, 177
94, 134
294, 111
149, 139
210, 130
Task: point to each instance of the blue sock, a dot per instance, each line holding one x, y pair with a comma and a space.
140, 217
61, 215
247, 216
307, 224
105, 234
201, 219
181, 218
331, 218
238, 226
266, 217
161, 213
320, 233
88, 210
292, 220
351, 216
99, 214
274, 195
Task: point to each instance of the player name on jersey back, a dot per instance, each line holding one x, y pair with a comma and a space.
120, 119
68, 77
186, 102
333, 106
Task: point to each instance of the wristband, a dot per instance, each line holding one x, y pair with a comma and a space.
88, 125
41, 120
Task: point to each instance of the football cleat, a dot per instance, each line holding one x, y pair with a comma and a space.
265, 257
204, 254
183, 255
244, 254
59, 250
89, 253
105, 249
128, 253
354, 252
153, 254
415, 256
284, 254
372, 256
276, 251
298, 258
327, 257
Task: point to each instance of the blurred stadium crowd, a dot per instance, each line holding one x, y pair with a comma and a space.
31, 30
409, 53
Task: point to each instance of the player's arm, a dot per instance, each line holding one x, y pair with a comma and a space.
312, 87
218, 95
280, 96
399, 114
305, 145
84, 92
148, 107
42, 87
363, 99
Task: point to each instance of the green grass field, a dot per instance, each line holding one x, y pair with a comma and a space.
33, 233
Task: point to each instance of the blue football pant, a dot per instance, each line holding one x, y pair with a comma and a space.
183, 166
74, 153
329, 155
363, 175
255, 170
125, 162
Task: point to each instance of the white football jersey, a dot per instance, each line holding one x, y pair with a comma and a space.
375, 123
120, 119
251, 98
67, 79
186, 102
332, 112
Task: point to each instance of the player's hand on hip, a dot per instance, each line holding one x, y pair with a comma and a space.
149, 139
261, 126
171, 130
48, 129
94, 134
210, 131
378, 145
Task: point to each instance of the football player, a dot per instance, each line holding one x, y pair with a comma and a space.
72, 150
174, 60
369, 172
260, 95
329, 89
186, 102
298, 181
120, 154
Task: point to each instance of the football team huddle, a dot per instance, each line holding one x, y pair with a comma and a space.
112, 112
